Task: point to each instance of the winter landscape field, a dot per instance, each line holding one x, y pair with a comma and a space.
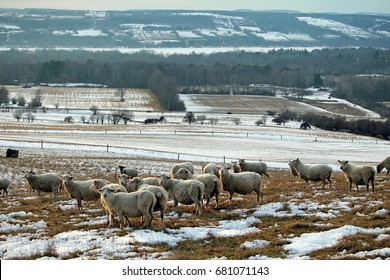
295, 220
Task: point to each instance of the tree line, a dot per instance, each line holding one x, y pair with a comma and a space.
336, 68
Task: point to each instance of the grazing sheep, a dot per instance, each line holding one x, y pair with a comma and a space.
185, 192
242, 183
128, 205
80, 190
48, 182
359, 174
161, 195
311, 172
132, 172
235, 166
210, 168
175, 167
384, 164
212, 185
258, 167
4, 184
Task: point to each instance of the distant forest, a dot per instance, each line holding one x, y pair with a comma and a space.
361, 75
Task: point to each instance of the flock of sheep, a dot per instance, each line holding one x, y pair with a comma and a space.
134, 196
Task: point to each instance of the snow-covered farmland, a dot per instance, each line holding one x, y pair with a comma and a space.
294, 222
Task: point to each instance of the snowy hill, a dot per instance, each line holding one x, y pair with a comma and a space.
35, 28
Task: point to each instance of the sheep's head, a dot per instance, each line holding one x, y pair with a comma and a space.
223, 172
106, 191
241, 162
342, 164
183, 173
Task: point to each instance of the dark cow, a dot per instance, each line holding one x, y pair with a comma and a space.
12, 153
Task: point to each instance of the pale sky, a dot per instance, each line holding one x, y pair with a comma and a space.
340, 6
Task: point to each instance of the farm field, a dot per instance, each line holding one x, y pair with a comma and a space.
295, 221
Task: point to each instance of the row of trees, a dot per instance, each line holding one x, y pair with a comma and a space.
163, 75
374, 128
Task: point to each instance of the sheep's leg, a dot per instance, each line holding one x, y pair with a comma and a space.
79, 204
147, 219
111, 220
231, 197
176, 205
217, 200
125, 218
198, 208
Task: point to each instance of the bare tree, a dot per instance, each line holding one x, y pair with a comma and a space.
121, 93
189, 117
18, 114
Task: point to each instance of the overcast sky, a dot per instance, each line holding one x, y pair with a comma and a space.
341, 6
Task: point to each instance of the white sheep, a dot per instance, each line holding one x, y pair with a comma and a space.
311, 172
210, 168
132, 172
185, 192
124, 180
358, 174
128, 205
48, 182
384, 164
242, 183
212, 184
258, 167
80, 190
175, 167
161, 195
4, 184
99, 184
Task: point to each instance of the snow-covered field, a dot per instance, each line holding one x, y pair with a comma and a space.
294, 222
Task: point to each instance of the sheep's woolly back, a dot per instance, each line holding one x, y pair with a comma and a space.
210, 168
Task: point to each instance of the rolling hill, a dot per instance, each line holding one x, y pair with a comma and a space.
37, 28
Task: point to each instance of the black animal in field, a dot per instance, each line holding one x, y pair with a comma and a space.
11, 153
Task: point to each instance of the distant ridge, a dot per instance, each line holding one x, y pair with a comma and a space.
47, 28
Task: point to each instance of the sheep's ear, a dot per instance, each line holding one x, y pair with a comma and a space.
339, 161
346, 161
99, 190
71, 177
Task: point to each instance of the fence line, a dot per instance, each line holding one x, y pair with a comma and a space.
121, 150
256, 135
